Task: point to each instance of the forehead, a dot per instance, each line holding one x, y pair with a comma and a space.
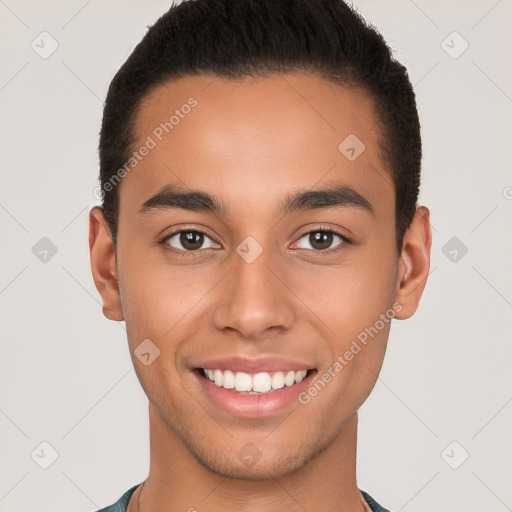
255, 138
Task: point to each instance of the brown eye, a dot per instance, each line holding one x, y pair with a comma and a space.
189, 241
321, 240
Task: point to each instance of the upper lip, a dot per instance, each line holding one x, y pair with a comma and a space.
247, 365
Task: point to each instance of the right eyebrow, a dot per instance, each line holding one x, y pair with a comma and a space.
172, 197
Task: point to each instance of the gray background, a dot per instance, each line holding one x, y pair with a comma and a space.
66, 377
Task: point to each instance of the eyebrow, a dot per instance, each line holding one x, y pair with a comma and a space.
175, 197
336, 196
172, 196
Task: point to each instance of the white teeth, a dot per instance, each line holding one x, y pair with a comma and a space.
228, 381
217, 377
243, 381
262, 382
289, 379
278, 380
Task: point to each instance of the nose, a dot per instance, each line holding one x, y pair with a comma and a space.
254, 299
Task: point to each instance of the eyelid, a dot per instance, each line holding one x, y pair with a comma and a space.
328, 229
186, 228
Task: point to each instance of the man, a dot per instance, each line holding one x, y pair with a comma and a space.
260, 167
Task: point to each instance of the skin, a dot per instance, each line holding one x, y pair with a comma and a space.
252, 142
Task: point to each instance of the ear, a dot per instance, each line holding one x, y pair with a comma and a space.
103, 264
414, 263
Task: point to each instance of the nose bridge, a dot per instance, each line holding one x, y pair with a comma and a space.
253, 299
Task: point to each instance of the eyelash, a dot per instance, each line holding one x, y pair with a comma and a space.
322, 229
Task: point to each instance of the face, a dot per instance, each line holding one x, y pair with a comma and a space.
282, 260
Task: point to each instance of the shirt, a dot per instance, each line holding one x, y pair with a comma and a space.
120, 506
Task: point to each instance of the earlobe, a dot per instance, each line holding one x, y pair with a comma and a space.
103, 264
414, 263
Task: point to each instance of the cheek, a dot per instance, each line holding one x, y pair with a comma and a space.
349, 374
141, 284
351, 296
158, 300
355, 301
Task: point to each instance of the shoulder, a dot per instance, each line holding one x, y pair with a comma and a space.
372, 503
121, 504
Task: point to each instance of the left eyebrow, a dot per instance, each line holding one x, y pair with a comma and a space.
336, 196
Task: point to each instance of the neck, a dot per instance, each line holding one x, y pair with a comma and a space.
177, 481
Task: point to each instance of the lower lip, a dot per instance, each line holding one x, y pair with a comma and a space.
253, 406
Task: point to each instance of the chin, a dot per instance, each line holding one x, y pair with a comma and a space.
268, 470
253, 464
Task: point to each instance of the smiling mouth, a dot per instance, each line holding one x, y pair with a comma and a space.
254, 384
